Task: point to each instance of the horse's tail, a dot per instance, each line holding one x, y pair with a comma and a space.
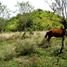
46, 35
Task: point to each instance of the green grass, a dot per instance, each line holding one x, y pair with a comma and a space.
26, 52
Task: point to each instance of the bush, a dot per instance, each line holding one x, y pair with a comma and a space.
25, 48
36, 20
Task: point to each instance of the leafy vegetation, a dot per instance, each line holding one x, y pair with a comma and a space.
27, 52
36, 20
28, 48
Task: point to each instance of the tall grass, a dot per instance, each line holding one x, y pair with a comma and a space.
27, 52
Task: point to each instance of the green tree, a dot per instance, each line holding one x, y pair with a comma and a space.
25, 22
4, 13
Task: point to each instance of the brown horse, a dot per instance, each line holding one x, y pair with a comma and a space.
58, 33
55, 33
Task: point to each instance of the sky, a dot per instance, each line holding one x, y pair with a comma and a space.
36, 3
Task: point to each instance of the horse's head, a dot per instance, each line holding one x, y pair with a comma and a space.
64, 22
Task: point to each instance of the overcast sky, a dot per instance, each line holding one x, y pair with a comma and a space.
36, 3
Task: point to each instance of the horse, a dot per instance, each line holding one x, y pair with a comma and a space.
58, 33
54, 33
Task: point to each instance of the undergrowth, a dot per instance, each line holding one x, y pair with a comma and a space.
28, 52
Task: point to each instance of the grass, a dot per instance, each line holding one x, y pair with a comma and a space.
27, 52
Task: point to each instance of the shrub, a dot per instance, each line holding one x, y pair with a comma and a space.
25, 48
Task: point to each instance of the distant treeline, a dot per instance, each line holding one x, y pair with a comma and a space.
38, 20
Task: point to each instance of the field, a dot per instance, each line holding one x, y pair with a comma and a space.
25, 50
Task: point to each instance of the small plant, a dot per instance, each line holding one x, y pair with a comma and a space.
25, 48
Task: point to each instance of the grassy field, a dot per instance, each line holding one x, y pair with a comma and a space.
17, 50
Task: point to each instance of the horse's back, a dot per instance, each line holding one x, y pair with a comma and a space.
58, 32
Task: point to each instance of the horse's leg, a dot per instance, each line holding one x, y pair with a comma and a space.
48, 39
62, 47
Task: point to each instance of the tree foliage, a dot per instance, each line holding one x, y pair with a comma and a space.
4, 13
36, 20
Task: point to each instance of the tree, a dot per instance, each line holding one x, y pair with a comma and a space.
60, 7
4, 13
24, 7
